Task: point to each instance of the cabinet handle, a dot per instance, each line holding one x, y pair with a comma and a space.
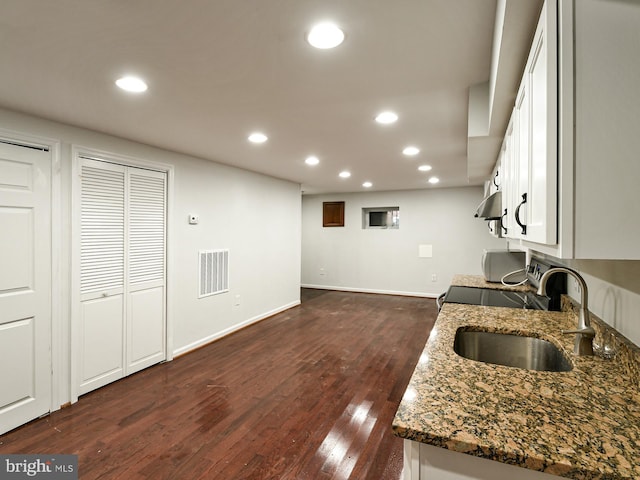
522, 225
502, 222
494, 180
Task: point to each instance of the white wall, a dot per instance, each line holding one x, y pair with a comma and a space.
255, 216
387, 261
258, 219
614, 292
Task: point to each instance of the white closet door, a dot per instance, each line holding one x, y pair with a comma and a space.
25, 285
146, 269
102, 274
122, 271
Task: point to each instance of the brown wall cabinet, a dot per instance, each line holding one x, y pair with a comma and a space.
333, 214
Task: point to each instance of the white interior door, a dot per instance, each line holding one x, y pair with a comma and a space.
25, 285
122, 327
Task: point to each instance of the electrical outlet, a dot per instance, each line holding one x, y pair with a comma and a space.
236, 302
434, 277
322, 272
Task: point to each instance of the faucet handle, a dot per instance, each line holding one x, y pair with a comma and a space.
587, 332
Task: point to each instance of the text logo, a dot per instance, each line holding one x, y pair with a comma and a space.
50, 467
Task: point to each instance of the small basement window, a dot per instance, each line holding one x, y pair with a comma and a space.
381, 217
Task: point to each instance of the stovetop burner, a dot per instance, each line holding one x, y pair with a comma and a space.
495, 298
514, 299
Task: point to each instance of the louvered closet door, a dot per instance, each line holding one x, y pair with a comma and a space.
123, 223
102, 274
146, 254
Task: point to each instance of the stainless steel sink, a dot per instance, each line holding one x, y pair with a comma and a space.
510, 350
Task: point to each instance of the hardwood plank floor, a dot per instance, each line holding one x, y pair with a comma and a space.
306, 394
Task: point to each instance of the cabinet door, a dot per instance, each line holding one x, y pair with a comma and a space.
492, 186
542, 170
521, 158
495, 183
530, 142
607, 126
511, 188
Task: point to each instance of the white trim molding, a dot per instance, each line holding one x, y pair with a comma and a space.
228, 331
372, 290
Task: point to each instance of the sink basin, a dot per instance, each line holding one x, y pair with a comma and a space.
510, 350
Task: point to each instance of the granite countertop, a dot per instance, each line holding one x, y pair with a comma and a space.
582, 424
479, 282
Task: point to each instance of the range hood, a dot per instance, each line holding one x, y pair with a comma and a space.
491, 207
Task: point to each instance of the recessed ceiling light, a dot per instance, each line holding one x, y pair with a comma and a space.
367, 184
411, 151
424, 168
312, 160
345, 174
325, 35
131, 84
258, 137
386, 117
434, 180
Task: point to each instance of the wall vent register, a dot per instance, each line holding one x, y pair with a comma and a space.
214, 272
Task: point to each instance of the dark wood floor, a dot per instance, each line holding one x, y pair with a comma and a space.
307, 394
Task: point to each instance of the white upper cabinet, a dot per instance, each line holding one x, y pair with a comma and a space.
530, 142
573, 141
541, 131
606, 115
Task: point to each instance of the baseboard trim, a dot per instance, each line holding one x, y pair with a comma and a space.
228, 331
372, 290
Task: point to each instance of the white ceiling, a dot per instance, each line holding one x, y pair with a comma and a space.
219, 69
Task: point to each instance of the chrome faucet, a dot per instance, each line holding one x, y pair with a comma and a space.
583, 344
